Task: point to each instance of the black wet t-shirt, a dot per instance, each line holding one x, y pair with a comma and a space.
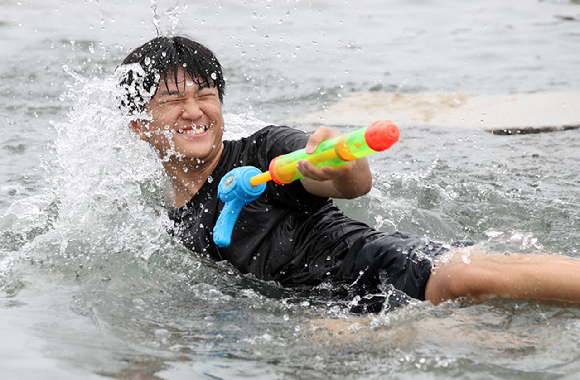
286, 235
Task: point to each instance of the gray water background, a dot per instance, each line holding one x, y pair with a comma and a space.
92, 287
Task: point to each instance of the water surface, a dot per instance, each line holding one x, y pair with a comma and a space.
92, 286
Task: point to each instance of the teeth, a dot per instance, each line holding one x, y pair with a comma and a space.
197, 130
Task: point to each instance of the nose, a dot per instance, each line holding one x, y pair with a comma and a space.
191, 110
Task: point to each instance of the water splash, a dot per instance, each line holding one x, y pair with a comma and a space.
513, 240
156, 18
173, 13
103, 185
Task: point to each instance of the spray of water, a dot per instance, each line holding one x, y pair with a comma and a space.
105, 189
172, 14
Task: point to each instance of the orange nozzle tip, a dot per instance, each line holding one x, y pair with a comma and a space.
381, 135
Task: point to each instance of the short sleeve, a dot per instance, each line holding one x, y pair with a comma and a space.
271, 142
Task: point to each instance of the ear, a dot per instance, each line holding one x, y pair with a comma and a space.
137, 128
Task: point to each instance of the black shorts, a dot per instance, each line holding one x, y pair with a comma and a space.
400, 259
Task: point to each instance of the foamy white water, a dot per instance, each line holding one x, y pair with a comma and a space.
497, 113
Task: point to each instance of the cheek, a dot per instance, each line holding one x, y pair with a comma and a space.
166, 114
161, 123
216, 114
211, 107
160, 134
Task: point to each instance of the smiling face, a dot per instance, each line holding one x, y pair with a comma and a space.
187, 122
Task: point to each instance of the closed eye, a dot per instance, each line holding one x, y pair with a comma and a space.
206, 94
206, 91
170, 100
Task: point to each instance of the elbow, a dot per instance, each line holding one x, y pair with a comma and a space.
366, 189
365, 182
359, 189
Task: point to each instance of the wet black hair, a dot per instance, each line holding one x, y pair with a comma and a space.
161, 57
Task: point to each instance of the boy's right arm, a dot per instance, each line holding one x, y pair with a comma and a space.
351, 180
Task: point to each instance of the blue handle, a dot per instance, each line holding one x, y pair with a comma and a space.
235, 190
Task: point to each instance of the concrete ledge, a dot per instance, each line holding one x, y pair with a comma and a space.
500, 114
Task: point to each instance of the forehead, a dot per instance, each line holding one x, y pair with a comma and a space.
180, 81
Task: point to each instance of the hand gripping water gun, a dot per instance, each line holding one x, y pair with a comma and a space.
245, 184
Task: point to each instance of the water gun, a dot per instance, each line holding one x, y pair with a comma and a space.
245, 184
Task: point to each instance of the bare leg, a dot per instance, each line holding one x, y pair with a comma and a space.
476, 275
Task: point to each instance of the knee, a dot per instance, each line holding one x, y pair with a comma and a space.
460, 280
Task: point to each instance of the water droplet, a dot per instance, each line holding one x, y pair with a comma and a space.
162, 334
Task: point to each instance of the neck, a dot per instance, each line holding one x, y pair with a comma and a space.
187, 177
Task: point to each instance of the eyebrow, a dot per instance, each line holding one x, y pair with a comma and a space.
166, 93
179, 92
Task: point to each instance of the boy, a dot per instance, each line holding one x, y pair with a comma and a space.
294, 234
